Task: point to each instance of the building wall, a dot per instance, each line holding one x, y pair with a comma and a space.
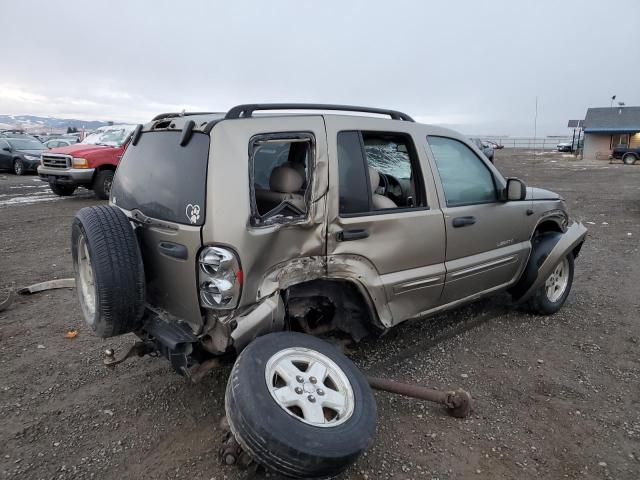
596, 144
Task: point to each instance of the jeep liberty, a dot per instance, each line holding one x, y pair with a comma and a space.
226, 227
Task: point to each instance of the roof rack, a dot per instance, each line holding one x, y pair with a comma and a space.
179, 114
245, 111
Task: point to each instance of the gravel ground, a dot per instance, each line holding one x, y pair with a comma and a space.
555, 397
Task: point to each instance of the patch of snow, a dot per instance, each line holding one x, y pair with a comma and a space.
26, 200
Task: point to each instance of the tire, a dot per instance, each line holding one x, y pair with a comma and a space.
108, 270
629, 158
279, 439
544, 302
18, 167
62, 190
102, 184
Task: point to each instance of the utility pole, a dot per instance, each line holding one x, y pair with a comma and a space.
535, 128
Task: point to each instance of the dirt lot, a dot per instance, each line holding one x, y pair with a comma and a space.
556, 397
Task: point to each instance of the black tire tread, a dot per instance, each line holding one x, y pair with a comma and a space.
286, 456
62, 190
98, 183
118, 268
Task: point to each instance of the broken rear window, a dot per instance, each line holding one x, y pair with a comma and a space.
162, 179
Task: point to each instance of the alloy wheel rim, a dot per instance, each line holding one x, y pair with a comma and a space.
310, 387
18, 167
86, 283
557, 282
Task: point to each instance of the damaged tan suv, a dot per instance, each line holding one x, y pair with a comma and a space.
225, 227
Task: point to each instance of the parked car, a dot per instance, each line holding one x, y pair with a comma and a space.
59, 142
20, 154
91, 163
629, 155
484, 147
569, 146
494, 145
226, 227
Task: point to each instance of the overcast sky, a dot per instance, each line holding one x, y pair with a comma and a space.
476, 65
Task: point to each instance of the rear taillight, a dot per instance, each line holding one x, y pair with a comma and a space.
219, 278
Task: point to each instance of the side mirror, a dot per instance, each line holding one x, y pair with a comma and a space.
516, 190
6, 149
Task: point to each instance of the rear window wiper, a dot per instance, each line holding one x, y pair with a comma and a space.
138, 217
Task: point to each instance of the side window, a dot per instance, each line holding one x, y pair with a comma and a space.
465, 178
280, 169
377, 171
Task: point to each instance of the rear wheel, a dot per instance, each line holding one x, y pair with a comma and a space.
108, 270
629, 158
102, 184
18, 167
62, 190
298, 406
552, 294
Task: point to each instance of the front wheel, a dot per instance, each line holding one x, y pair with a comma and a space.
18, 167
298, 406
629, 159
62, 190
552, 294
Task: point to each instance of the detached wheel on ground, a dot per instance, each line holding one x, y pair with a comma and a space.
552, 294
629, 158
102, 184
18, 167
298, 406
62, 190
108, 268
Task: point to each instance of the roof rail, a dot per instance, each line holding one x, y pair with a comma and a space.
179, 114
245, 111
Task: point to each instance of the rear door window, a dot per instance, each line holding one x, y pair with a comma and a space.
162, 179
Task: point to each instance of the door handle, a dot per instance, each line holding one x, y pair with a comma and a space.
355, 234
463, 221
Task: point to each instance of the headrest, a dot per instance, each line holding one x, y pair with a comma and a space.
374, 178
298, 167
285, 180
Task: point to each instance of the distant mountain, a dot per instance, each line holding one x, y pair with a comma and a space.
37, 124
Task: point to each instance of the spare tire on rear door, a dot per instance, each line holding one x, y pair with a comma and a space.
108, 270
298, 406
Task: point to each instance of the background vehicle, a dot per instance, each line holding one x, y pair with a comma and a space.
569, 146
20, 154
91, 163
484, 147
241, 236
59, 142
494, 145
629, 155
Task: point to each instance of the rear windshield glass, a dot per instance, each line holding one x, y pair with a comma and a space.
162, 179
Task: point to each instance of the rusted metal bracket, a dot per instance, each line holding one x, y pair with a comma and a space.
231, 453
139, 349
458, 402
196, 373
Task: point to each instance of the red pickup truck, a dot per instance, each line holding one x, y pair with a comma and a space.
90, 164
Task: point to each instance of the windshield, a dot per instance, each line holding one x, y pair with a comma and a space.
26, 144
112, 137
162, 179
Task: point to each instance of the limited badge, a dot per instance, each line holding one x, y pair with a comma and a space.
193, 213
